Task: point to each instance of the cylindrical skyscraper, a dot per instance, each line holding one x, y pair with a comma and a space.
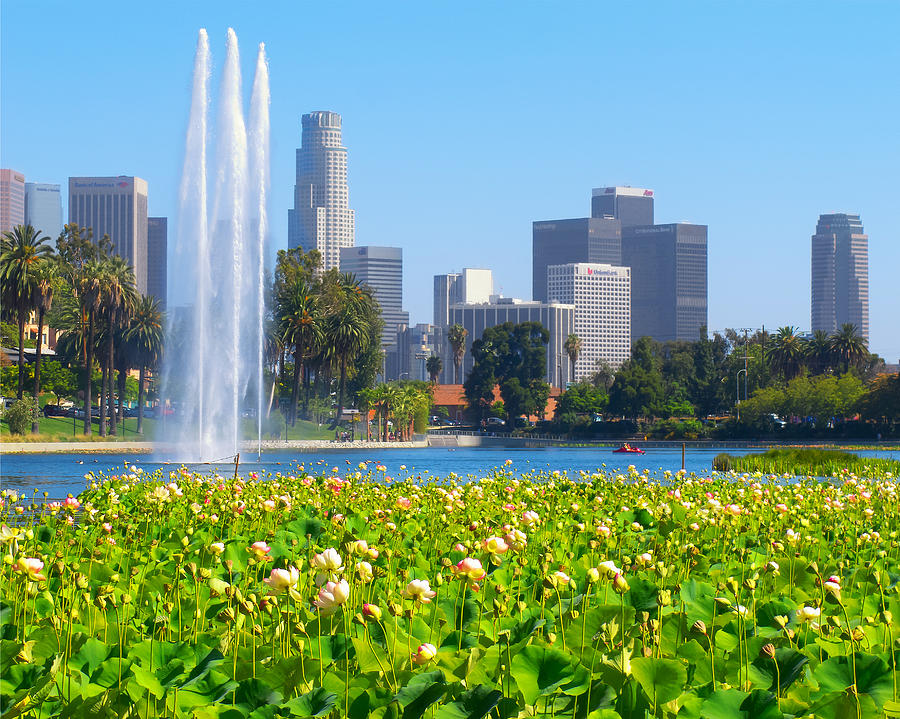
840, 274
322, 218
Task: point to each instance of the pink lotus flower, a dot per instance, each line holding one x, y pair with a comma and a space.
530, 518
496, 545
371, 611
32, 567
282, 579
71, 503
260, 549
469, 568
419, 590
332, 596
424, 654
403, 502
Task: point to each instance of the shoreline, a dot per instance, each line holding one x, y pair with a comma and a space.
152, 447
437, 441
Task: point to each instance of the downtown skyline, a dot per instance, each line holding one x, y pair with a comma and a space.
453, 157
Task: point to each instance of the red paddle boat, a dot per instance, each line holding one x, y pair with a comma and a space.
628, 449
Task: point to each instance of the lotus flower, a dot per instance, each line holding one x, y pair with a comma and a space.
424, 654
469, 568
332, 596
420, 591
282, 579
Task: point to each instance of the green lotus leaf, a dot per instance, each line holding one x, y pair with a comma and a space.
872, 676
723, 704
316, 703
253, 693
475, 703
790, 667
421, 692
662, 679
539, 671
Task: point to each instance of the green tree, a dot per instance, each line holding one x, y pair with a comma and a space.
881, 400
42, 301
639, 390
847, 347
144, 345
505, 352
456, 337
434, 365
300, 322
22, 252
786, 352
818, 352
117, 301
582, 399
572, 345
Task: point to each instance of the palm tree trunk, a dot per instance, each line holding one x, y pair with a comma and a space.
140, 408
21, 319
343, 378
88, 361
112, 385
295, 387
123, 377
104, 379
306, 384
35, 425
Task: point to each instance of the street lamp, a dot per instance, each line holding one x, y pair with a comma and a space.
737, 391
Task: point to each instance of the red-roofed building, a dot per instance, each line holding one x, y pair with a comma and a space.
453, 398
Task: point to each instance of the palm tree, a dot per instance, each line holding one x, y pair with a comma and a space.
300, 323
42, 300
572, 346
144, 342
456, 336
117, 301
434, 365
848, 347
818, 352
346, 335
786, 351
89, 290
22, 252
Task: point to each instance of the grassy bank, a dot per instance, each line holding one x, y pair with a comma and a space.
816, 462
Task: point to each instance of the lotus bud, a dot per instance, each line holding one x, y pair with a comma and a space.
768, 650
723, 602
699, 627
551, 637
664, 598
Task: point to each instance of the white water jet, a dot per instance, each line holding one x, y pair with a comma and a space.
216, 350
259, 190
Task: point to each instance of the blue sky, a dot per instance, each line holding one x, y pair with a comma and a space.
467, 121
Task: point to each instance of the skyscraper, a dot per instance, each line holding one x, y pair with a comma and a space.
668, 280
157, 246
12, 199
558, 242
43, 208
840, 274
629, 205
321, 218
602, 298
469, 286
381, 268
114, 206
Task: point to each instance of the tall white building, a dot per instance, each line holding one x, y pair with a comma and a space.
43, 208
114, 206
602, 298
471, 286
321, 218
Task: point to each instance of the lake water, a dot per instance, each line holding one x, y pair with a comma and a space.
60, 474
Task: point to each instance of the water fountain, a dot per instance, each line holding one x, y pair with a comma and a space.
217, 364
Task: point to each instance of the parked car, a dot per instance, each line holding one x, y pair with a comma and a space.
55, 410
777, 421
